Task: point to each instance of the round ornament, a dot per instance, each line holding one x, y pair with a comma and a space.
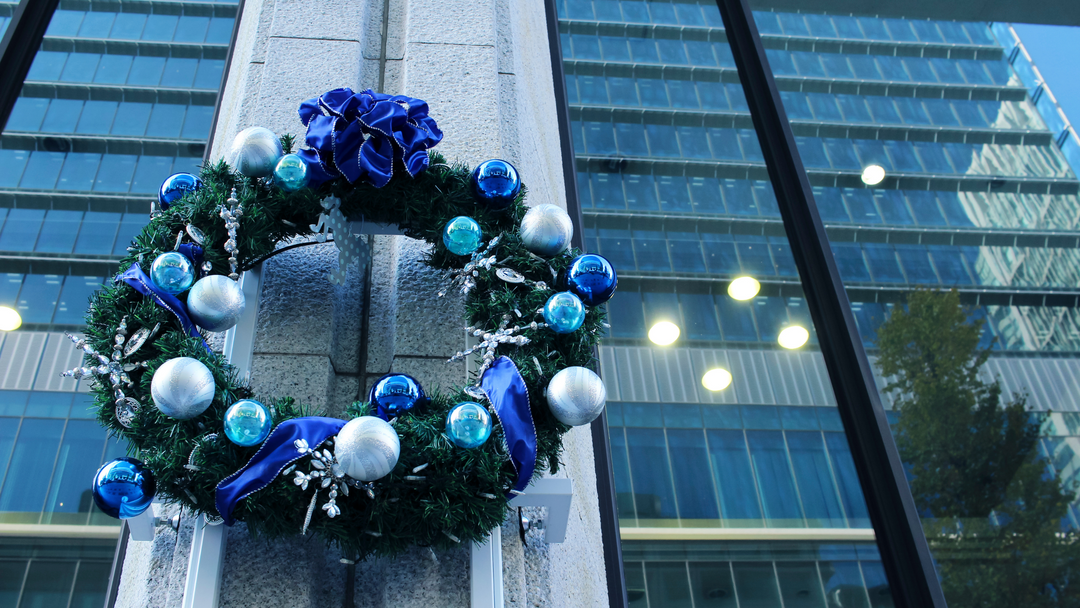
248, 422
546, 230
395, 394
255, 152
468, 425
215, 303
462, 235
576, 396
496, 184
182, 388
564, 312
172, 272
175, 187
592, 278
290, 174
123, 488
367, 448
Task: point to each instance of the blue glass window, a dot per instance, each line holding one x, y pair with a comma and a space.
97, 233
820, 498
697, 500
79, 171
115, 173
754, 255
933, 157
586, 47
160, 27
883, 110
772, 471
706, 194
861, 205
21, 229
27, 114
830, 205
924, 206
808, 64
651, 250
796, 105
865, 67
793, 24
919, 69
683, 94
824, 107
736, 319
662, 140
903, 156
32, 460
599, 138
916, 262
812, 151
626, 314
47, 65
114, 69
191, 29
720, 254
854, 108
950, 265
616, 245
97, 117
911, 111
892, 206
38, 297
607, 191
940, 111
641, 192
883, 263
847, 480
685, 250
62, 116
651, 474
671, 52
695, 143
80, 67
947, 70
674, 197
850, 262
734, 477
130, 26
699, 313
58, 231
623, 91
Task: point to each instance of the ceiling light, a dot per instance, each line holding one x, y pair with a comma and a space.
873, 175
744, 288
664, 333
793, 337
716, 379
9, 319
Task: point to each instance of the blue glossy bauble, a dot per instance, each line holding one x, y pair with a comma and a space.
592, 278
124, 488
468, 425
396, 394
175, 187
564, 312
462, 235
172, 272
495, 184
290, 174
248, 422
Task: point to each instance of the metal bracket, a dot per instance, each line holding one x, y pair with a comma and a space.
485, 561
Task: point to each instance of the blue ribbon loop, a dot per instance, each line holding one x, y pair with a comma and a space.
137, 279
276, 453
508, 394
366, 134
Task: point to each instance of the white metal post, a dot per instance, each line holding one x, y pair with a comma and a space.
208, 542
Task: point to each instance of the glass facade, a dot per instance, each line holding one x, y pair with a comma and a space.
980, 196
118, 97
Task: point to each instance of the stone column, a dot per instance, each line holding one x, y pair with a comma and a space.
483, 66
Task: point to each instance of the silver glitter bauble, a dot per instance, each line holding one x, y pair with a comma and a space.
215, 303
182, 388
255, 152
367, 448
546, 230
576, 396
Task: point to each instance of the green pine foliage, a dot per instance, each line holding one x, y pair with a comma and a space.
463, 491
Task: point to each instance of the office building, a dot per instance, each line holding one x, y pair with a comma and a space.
750, 492
119, 97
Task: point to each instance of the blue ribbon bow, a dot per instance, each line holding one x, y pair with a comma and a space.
276, 453
508, 394
358, 135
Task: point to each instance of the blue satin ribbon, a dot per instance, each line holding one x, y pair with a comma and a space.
195, 254
136, 278
366, 134
506, 390
276, 453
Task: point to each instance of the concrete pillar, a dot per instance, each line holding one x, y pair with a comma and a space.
484, 68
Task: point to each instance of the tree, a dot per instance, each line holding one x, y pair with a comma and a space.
991, 511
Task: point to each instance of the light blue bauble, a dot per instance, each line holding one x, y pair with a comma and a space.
564, 312
172, 272
290, 174
468, 425
462, 235
247, 422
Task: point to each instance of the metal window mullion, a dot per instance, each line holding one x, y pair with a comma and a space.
904, 550
18, 48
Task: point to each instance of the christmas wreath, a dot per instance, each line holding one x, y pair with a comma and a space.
407, 467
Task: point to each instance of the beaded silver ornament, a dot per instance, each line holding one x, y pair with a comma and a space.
231, 215
326, 472
492, 340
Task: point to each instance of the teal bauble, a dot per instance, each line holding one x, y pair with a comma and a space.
290, 174
564, 312
172, 272
468, 425
248, 422
462, 235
